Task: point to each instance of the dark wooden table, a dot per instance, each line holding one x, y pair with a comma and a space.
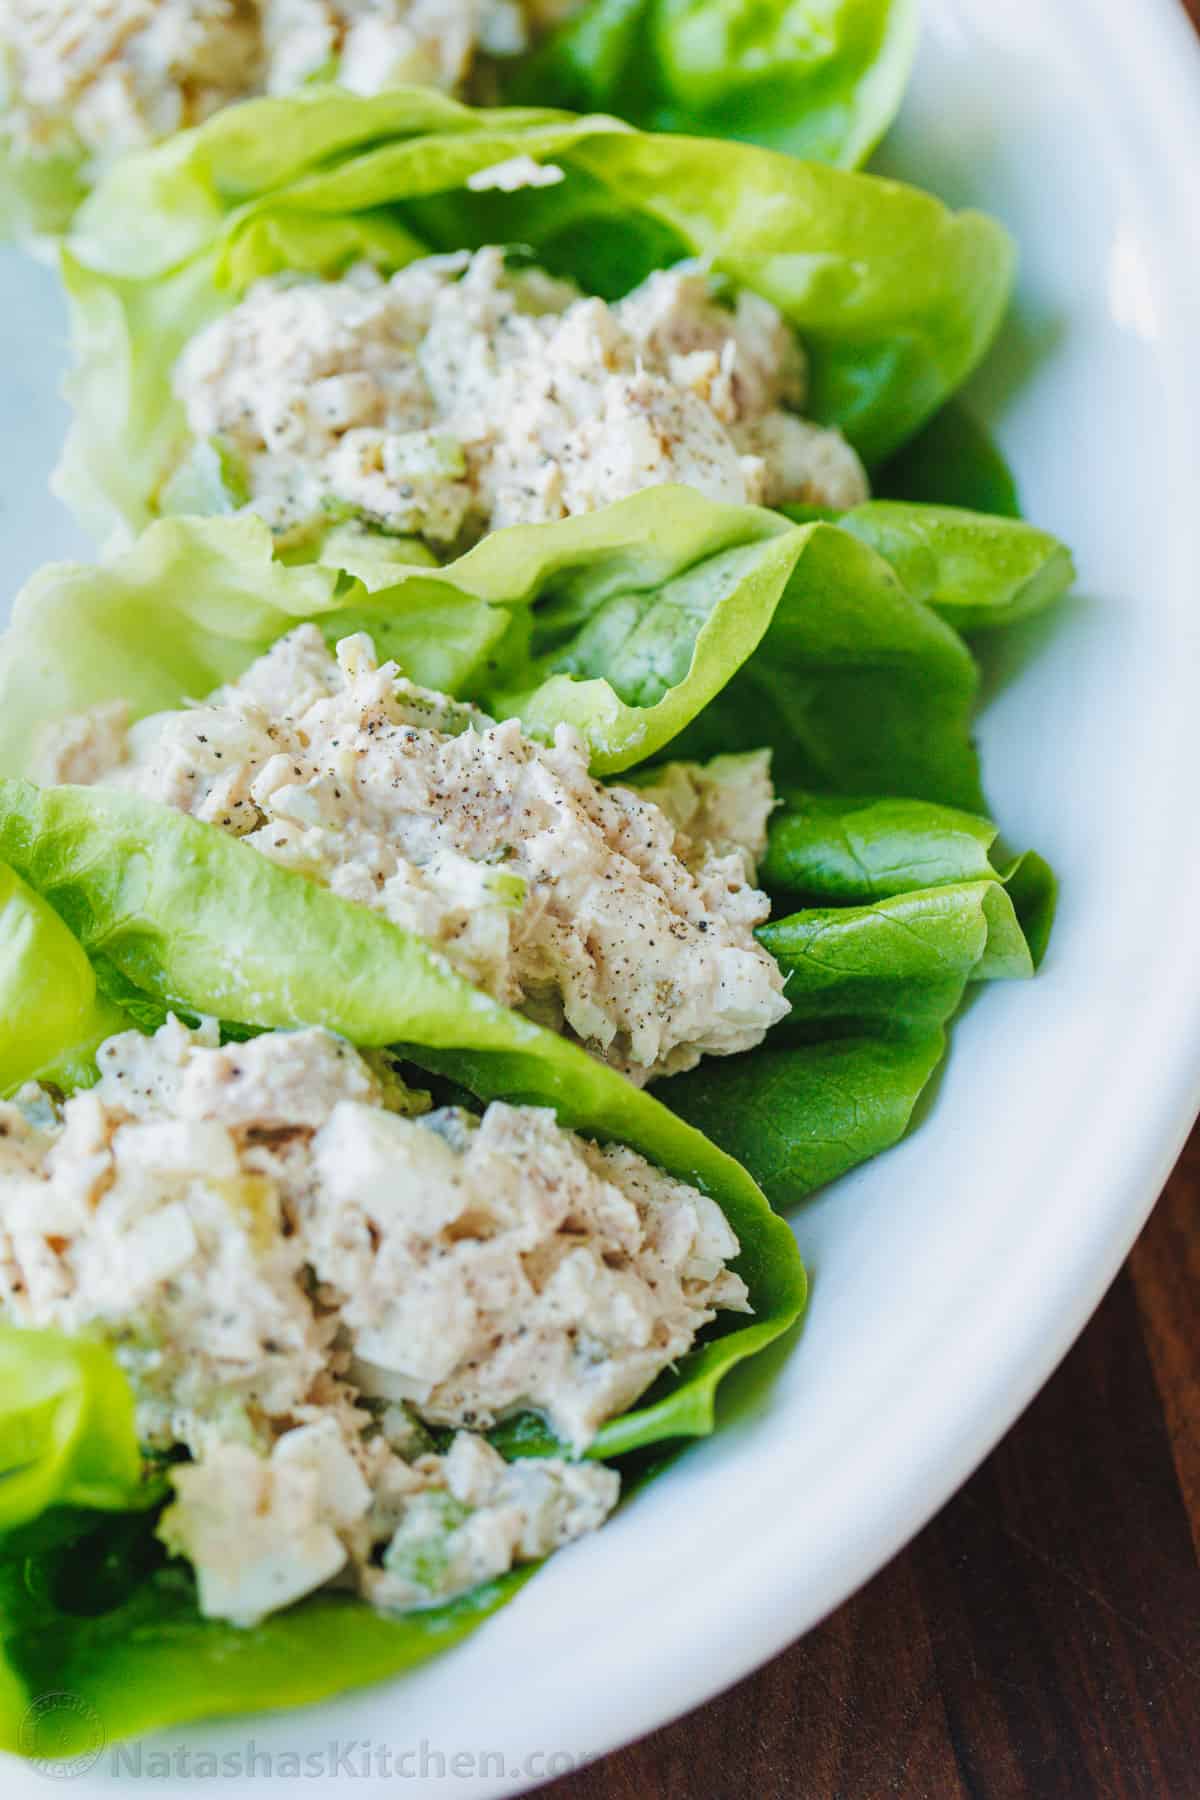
1040, 1640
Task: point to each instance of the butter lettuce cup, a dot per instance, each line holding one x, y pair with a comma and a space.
404, 319
82, 86
689, 788
306, 1367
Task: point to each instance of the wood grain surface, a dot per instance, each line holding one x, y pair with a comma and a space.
1040, 1640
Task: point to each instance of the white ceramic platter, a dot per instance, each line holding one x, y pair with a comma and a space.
951, 1276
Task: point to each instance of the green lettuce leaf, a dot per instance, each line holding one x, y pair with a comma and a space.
910, 955
895, 297
978, 571
38, 195
67, 1434
805, 1116
855, 687
98, 1612
662, 621
52, 1016
836, 850
821, 79
902, 905
952, 461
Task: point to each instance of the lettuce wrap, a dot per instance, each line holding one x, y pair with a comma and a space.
894, 298
118, 894
660, 627
821, 79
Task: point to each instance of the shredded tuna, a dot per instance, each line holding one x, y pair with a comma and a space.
592, 908
107, 76
297, 1263
460, 396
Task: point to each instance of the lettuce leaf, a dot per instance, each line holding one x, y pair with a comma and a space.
952, 461
93, 1608
975, 570
795, 640
69, 1462
910, 954
67, 1434
38, 195
53, 1017
821, 79
905, 907
895, 297
662, 621
182, 915
838, 850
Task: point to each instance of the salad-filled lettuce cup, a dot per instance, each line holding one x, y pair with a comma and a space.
822, 80
878, 911
774, 324
180, 1349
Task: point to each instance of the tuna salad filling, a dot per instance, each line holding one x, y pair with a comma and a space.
302, 1269
624, 917
107, 76
461, 395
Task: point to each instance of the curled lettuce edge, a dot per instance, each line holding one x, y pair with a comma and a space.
976, 571
886, 911
824, 87
67, 1433
895, 297
54, 1016
843, 850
